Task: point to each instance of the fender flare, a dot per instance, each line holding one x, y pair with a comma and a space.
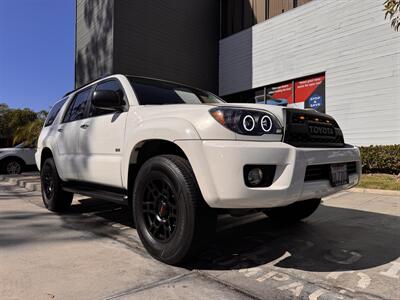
167, 129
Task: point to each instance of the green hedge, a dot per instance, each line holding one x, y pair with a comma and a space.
381, 159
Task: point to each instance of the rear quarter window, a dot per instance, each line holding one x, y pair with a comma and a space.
54, 112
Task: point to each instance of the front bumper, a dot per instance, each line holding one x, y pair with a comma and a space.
218, 167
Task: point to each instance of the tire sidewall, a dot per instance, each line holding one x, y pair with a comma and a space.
50, 203
176, 248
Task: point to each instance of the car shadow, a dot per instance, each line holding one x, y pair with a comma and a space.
333, 239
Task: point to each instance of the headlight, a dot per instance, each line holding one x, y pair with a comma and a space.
247, 121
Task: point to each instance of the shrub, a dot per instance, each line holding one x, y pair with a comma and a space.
381, 159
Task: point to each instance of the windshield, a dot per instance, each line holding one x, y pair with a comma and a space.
157, 92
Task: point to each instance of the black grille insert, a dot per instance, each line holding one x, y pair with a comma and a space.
321, 172
309, 128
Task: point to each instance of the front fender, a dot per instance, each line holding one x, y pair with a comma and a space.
168, 129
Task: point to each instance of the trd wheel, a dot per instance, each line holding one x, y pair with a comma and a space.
54, 198
172, 219
13, 166
293, 212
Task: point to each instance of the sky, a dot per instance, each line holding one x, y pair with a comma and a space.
37, 46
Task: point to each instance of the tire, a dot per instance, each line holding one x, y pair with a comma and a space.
172, 219
54, 198
293, 212
12, 166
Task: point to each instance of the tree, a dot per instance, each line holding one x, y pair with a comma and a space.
20, 125
42, 115
392, 10
28, 133
3, 108
3, 124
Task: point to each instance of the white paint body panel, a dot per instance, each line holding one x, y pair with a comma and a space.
67, 149
349, 40
100, 158
218, 166
216, 154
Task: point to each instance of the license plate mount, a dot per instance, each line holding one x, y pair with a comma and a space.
338, 174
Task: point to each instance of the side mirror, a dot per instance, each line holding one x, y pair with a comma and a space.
106, 99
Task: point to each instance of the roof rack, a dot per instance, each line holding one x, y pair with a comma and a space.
101, 77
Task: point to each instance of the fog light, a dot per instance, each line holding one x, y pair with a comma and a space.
255, 176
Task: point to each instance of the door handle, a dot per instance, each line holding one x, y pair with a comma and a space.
60, 130
84, 126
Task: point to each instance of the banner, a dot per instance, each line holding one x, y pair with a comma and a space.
281, 93
311, 93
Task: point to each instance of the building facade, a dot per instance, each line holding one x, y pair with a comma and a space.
176, 40
335, 56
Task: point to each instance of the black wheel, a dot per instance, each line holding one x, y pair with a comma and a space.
12, 166
54, 198
293, 212
172, 219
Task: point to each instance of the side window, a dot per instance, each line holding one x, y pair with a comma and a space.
111, 85
54, 112
76, 110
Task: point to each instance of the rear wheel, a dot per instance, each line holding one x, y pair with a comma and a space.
293, 212
54, 198
172, 219
12, 166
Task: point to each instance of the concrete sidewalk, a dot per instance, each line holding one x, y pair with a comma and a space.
44, 257
348, 249
29, 180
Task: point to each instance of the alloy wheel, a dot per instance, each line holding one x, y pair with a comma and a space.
159, 209
13, 167
48, 181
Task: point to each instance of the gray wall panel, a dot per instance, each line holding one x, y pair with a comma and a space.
174, 40
94, 40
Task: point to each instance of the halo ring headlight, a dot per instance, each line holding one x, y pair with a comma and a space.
247, 121
264, 120
245, 124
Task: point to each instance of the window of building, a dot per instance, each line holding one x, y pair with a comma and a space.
77, 109
237, 15
305, 92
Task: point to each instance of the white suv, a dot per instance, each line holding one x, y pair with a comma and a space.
177, 155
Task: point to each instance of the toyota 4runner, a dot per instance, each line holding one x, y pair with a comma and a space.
178, 155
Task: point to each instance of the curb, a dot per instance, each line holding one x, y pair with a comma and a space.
32, 183
375, 191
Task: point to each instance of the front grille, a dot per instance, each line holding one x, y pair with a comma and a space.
321, 172
309, 128
317, 172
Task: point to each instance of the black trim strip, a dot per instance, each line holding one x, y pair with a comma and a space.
107, 193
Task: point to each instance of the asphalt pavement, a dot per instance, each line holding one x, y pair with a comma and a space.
349, 249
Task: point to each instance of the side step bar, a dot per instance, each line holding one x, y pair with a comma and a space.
116, 195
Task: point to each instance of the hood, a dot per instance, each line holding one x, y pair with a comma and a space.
184, 110
199, 117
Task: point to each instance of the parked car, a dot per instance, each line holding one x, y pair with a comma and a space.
17, 159
178, 156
